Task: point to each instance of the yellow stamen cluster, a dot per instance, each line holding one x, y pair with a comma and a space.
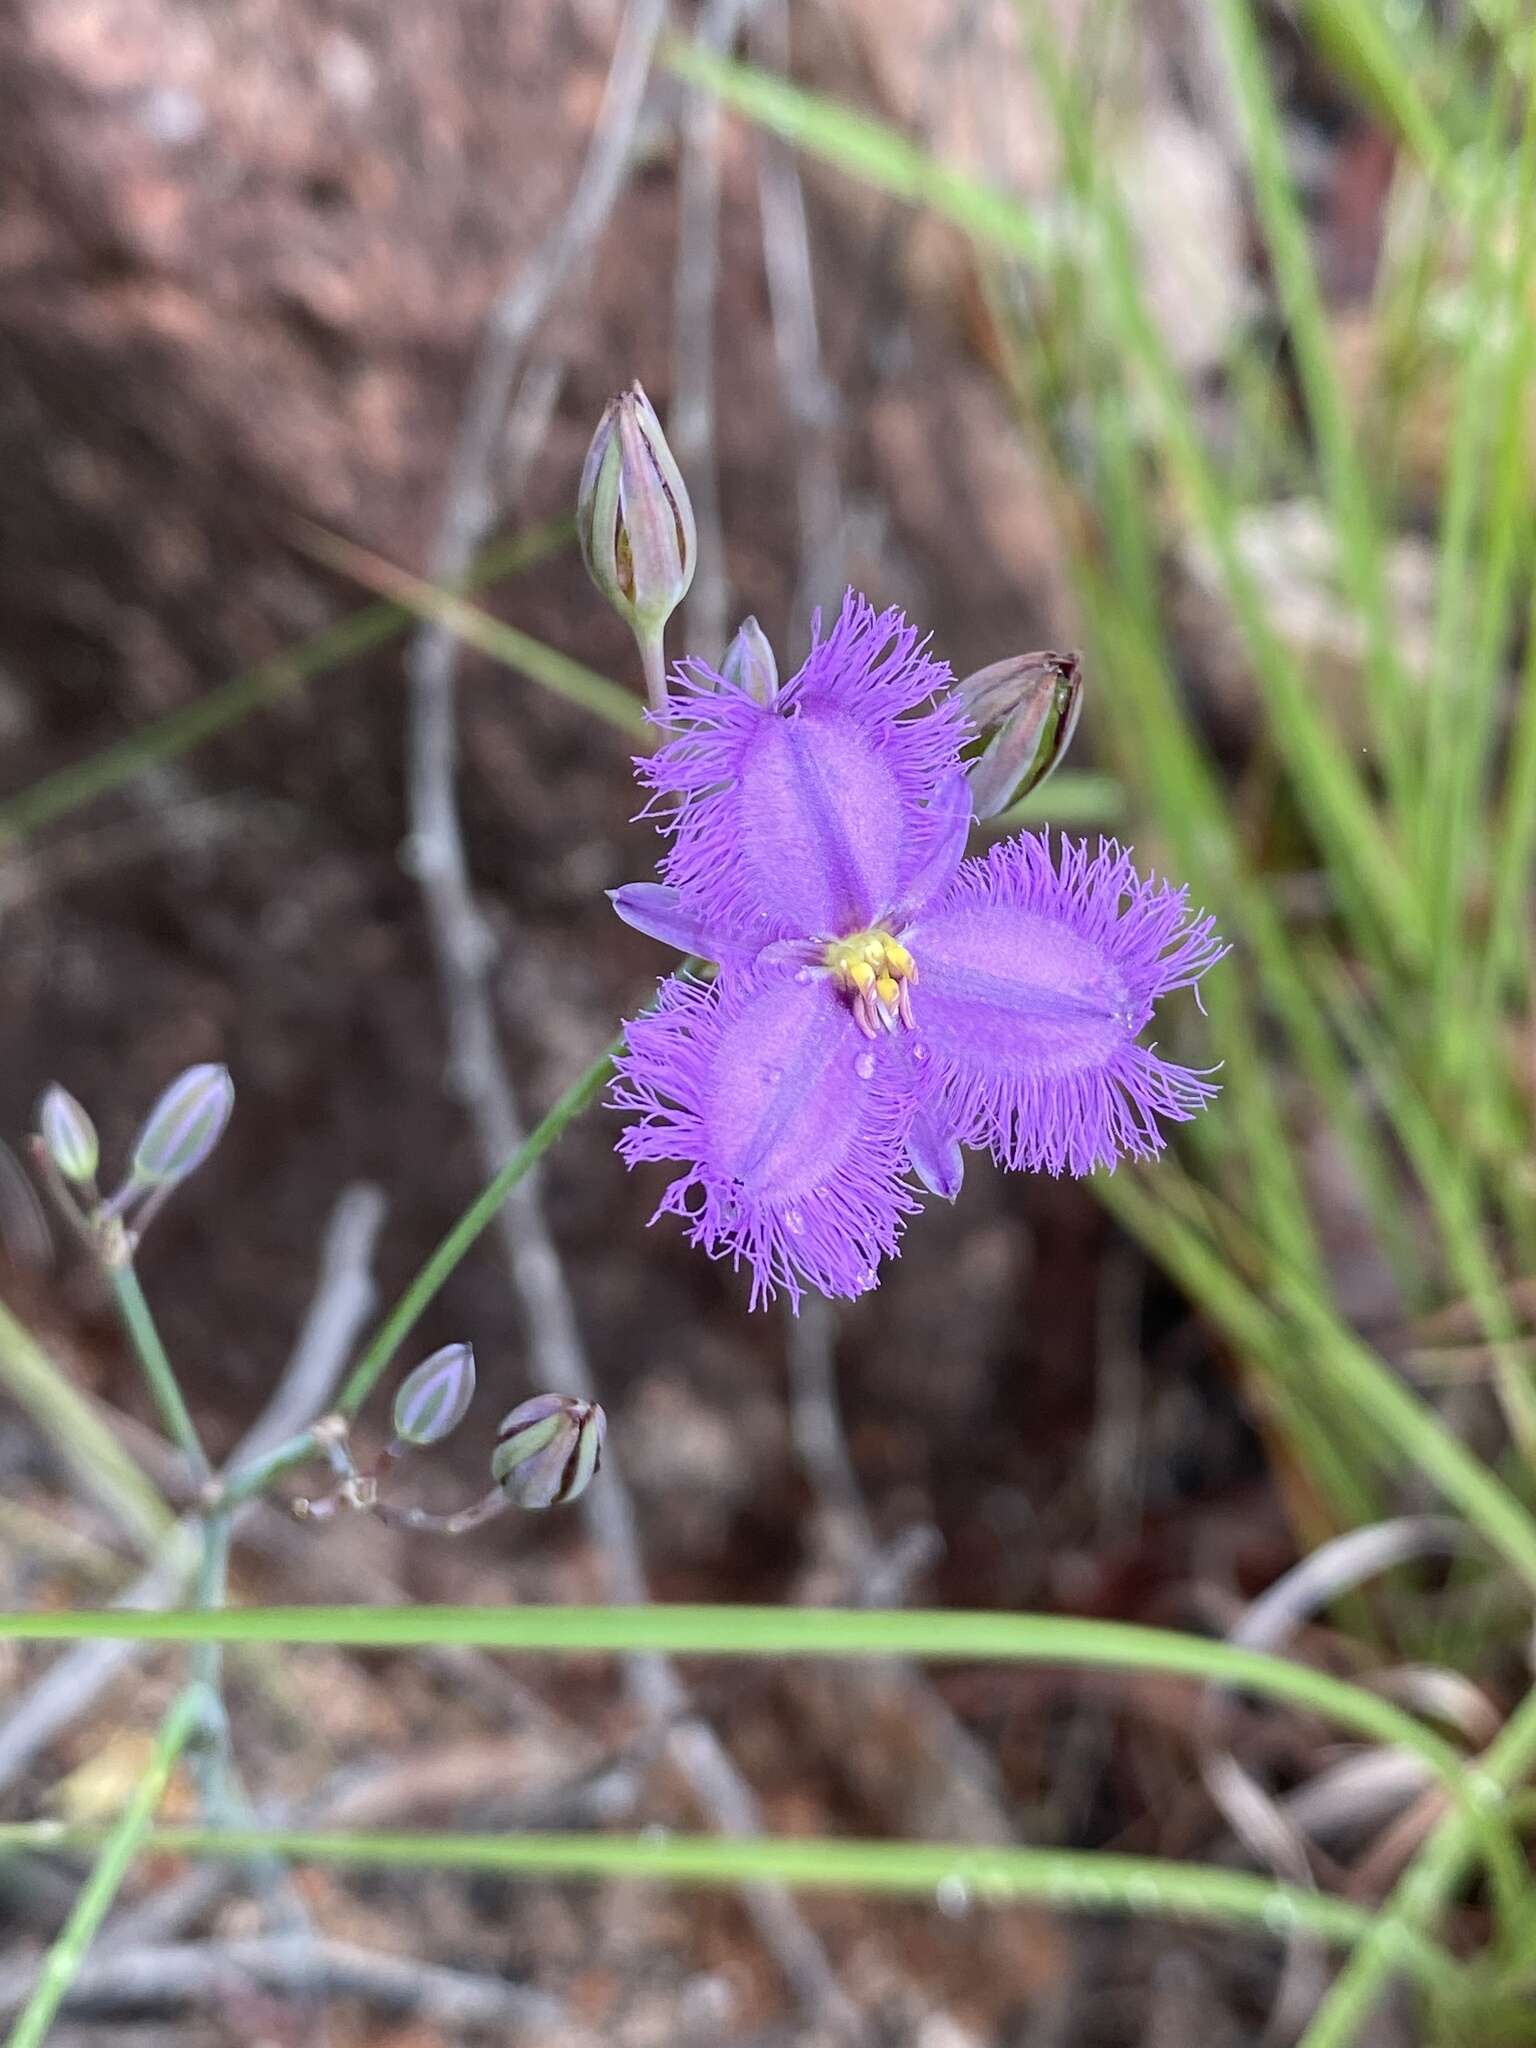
876, 971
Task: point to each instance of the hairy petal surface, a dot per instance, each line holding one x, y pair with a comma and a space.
793, 1141
1037, 975
801, 818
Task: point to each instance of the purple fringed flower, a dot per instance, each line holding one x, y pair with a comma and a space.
881, 1001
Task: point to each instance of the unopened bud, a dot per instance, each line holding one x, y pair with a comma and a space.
433, 1399
633, 517
184, 1125
749, 663
549, 1449
1027, 709
69, 1136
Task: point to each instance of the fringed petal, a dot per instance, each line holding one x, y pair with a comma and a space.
794, 1139
1036, 976
802, 819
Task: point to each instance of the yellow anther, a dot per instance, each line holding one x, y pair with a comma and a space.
874, 970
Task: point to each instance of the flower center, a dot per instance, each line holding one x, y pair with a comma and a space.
876, 972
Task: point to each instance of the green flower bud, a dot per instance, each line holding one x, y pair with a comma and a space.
549, 1449
749, 663
1027, 710
433, 1399
69, 1136
184, 1126
633, 516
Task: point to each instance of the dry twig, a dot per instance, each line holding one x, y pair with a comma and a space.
809, 397
691, 422
297, 1965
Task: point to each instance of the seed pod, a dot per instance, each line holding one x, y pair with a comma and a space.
1027, 708
633, 516
69, 1136
184, 1126
549, 1449
433, 1399
749, 663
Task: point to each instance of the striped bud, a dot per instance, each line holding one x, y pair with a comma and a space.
549, 1448
1026, 709
433, 1399
69, 1136
633, 516
184, 1126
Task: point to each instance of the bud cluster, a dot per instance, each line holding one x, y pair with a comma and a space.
176, 1138
547, 1451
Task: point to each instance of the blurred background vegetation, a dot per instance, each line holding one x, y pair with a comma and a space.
1195, 333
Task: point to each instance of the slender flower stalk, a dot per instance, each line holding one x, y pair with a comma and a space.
881, 1002
118, 1849
165, 1389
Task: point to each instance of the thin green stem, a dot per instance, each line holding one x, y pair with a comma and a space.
168, 738
1477, 524
165, 1389
1422, 1893
477, 1218
653, 661
1295, 269
1410, 1433
1355, 33
1514, 853
256, 1477
704, 1631
117, 1849
560, 674
1090, 1881
1451, 1194
69, 1420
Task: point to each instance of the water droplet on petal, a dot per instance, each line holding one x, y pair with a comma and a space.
919, 1052
772, 1076
864, 1066
794, 1222
806, 974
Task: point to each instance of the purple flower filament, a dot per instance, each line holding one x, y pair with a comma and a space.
881, 1002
